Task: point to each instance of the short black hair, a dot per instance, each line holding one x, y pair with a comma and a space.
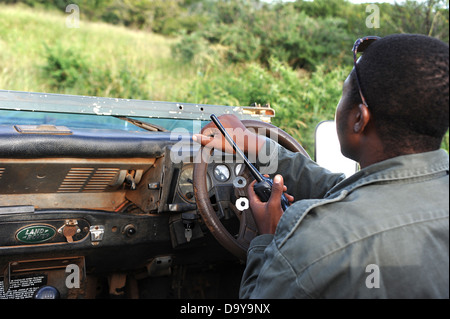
404, 78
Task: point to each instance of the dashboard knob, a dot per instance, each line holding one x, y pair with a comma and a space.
129, 230
46, 292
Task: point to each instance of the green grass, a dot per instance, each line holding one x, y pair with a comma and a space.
27, 36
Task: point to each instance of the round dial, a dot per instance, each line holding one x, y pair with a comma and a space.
221, 173
186, 183
238, 168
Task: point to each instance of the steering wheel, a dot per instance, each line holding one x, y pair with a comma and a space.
239, 243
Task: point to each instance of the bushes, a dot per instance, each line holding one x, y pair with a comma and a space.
168, 17
69, 71
250, 34
64, 68
300, 101
171, 17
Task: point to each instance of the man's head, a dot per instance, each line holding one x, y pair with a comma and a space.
405, 81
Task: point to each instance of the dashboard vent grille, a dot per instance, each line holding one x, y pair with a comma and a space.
86, 179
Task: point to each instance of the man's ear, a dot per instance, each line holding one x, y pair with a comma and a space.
362, 118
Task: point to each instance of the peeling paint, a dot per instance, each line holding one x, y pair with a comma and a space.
49, 102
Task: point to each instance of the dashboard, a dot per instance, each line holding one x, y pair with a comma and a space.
101, 191
218, 174
124, 203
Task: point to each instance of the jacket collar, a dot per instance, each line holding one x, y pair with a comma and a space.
403, 167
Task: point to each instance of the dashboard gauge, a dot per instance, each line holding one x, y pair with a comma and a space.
238, 169
221, 173
186, 183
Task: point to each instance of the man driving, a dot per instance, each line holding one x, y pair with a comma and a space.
384, 231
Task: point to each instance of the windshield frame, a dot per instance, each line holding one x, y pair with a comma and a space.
64, 103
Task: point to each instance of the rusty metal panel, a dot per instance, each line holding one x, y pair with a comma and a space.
69, 182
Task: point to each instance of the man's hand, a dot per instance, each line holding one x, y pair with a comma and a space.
247, 141
267, 215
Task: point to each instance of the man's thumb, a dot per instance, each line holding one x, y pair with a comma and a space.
277, 189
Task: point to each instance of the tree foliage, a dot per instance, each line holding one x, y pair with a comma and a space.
173, 17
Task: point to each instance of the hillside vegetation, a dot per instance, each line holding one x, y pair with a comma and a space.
293, 56
39, 53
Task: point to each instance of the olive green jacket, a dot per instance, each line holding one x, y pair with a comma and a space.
381, 233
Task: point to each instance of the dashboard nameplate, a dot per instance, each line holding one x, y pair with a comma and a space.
34, 234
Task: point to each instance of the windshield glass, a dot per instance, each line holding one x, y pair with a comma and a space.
90, 121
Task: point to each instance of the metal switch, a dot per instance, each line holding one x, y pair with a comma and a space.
97, 232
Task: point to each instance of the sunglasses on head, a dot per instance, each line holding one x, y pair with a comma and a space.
360, 45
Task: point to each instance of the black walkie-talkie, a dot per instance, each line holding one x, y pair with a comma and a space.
263, 186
